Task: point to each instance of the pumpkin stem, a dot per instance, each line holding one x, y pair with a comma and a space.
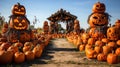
18, 3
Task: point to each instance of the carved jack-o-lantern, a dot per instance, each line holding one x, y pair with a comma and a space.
117, 24
45, 23
18, 9
113, 33
99, 7
19, 23
98, 19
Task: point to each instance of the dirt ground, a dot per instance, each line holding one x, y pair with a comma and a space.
61, 53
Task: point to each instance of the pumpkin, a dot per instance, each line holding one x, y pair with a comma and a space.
45, 23
85, 37
101, 57
106, 50
6, 57
117, 23
18, 44
105, 40
112, 33
117, 51
91, 54
13, 48
28, 46
37, 50
99, 7
82, 47
112, 58
98, 19
29, 55
19, 57
118, 42
112, 45
76, 21
5, 46
96, 33
98, 49
18, 9
91, 41
19, 22
99, 43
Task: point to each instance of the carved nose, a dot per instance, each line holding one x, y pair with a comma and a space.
20, 24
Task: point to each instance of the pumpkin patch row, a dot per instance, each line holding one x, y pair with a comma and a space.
19, 52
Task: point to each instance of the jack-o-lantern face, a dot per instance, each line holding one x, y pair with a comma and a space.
18, 9
99, 7
112, 33
98, 19
19, 23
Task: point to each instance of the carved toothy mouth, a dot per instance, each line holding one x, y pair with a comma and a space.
98, 24
19, 28
19, 12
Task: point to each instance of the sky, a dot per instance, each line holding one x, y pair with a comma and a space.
42, 9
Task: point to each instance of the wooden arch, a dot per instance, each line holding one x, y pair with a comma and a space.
63, 16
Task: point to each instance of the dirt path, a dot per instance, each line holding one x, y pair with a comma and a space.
61, 53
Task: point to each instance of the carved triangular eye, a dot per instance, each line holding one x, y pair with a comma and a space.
15, 20
23, 21
22, 8
16, 7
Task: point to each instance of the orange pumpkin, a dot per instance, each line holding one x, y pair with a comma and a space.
19, 22
99, 7
105, 40
13, 48
91, 41
19, 57
112, 58
98, 49
18, 9
106, 50
6, 57
91, 54
101, 57
118, 42
82, 47
98, 19
99, 43
29, 55
117, 51
5, 46
112, 33
117, 23
112, 45
37, 51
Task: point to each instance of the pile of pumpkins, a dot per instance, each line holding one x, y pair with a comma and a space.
19, 52
100, 41
18, 43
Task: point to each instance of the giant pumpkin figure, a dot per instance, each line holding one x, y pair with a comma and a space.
99, 7
18, 9
98, 19
46, 27
19, 22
